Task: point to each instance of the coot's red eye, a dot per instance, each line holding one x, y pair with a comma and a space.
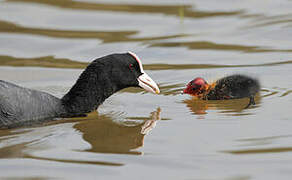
131, 66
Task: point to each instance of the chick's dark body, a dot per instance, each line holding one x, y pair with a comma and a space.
233, 87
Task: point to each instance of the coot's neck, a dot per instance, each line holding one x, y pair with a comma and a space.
90, 90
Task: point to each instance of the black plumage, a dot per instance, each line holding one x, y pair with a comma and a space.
234, 87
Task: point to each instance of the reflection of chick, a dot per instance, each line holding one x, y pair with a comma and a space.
234, 106
106, 136
230, 87
197, 107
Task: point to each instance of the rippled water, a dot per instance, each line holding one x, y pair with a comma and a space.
45, 44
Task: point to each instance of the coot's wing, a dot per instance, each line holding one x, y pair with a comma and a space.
7, 113
20, 105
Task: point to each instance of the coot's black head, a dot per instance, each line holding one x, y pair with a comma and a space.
102, 78
196, 87
126, 70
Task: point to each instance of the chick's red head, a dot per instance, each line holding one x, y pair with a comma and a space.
196, 87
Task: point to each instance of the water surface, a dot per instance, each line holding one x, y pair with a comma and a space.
44, 45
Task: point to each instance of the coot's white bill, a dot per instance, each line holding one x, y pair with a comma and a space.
148, 84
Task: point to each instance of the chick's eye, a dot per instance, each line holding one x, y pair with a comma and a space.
131, 66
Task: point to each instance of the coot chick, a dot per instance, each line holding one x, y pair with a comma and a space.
103, 77
231, 87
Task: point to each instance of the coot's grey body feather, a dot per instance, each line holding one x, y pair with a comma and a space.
18, 104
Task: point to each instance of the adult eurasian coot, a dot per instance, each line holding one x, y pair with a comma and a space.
230, 87
102, 78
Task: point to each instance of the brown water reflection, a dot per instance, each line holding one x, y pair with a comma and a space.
47, 61
108, 136
260, 151
234, 107
103, 134
105, 36
272, 20
132, 8
51, 61
103, 163
215, 46
13, 151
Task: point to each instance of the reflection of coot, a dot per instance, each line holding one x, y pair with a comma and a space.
102, 78
230, 87
107, 136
